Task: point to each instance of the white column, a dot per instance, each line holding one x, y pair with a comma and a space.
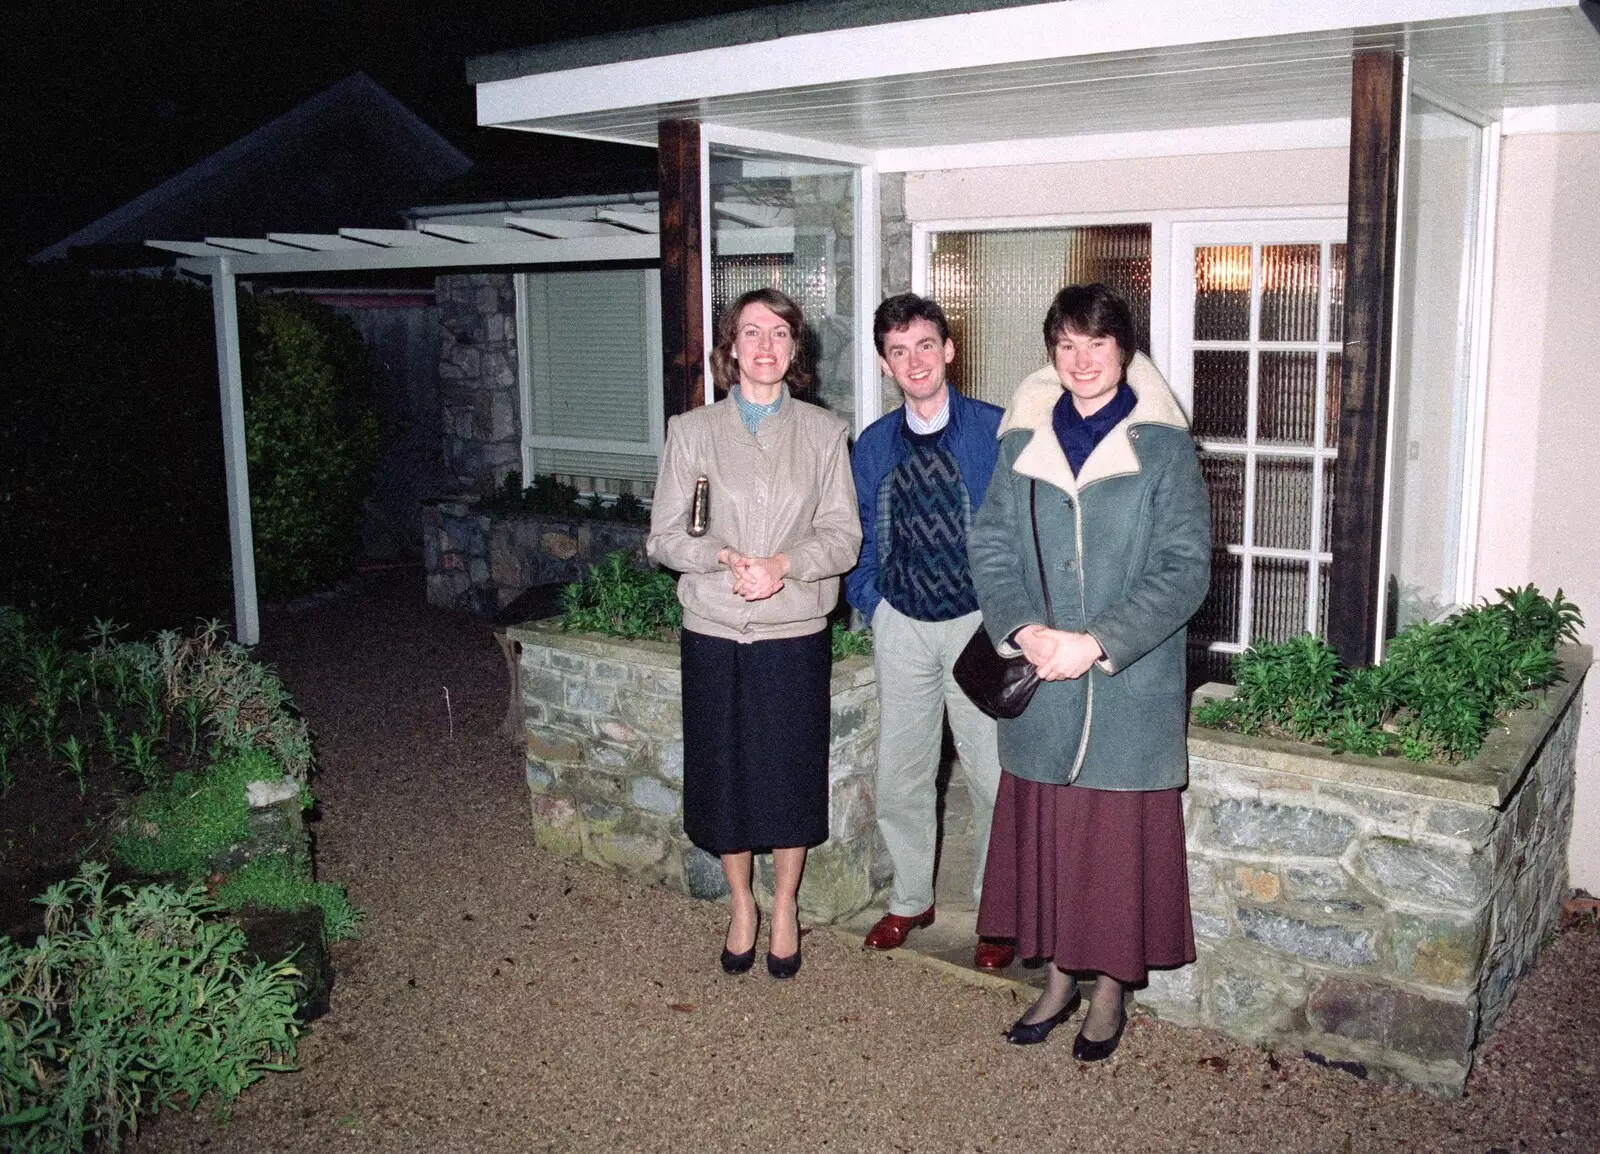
230, 378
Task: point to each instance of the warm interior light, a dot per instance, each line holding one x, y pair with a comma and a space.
1222, 269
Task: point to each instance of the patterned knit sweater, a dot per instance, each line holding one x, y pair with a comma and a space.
924, 513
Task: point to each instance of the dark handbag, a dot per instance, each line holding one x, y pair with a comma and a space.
1003, 686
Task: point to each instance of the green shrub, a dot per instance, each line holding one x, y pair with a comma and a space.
620, 599
175, 830
272, 882
1438, 691
555, 498
847, 642
130, 1002
312, 439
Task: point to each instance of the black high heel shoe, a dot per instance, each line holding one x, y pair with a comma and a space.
784, 967
733, 963
1026, 1033
1086, 1051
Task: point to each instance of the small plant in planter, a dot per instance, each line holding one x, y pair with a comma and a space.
1434, 698
555, 498
620, 599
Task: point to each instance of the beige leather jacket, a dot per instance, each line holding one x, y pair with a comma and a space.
786, 490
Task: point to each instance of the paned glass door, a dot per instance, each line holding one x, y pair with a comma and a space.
1257, 323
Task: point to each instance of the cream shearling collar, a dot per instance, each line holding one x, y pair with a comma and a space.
1034, 402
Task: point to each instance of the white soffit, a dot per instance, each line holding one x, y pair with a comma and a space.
1096, 68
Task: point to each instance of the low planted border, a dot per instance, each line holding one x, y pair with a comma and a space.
1375, 911
603, 728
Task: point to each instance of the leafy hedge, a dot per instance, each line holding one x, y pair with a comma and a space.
1438, 691
312, 439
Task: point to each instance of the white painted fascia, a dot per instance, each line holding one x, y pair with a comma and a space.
1550, 118
1333, 132
1062, 30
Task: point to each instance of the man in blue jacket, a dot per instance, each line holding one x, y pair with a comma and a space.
921, 473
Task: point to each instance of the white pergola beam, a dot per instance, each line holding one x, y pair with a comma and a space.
476, 233
247, 244
754, 215
315, 241
441, 254
637, 221
184, 247
559, 229
393, 237
230, 379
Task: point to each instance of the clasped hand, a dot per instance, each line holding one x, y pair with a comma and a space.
1057, 654
755, 578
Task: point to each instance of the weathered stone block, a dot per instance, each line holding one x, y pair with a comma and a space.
1262, 885
588, 697
1438, 951
556, 826
616, 731
703, 874
1259, 1001
540, 778
554, 747
1300, 830
1331, 943
1471, 823
669, 760
650, 713
627, 851
650, 794
1173, 994
610, 671
569, 662
1431, 1029
1351, 1008
1211, 926
1426, 874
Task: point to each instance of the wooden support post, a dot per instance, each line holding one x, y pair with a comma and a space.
682, 287
1376, 96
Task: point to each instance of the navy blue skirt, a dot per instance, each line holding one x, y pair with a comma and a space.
755, 742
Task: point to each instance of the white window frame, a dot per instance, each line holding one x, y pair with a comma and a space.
653, 383
1326, 231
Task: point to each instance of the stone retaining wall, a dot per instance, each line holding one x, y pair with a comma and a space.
480, 562
604, 733
1374, 914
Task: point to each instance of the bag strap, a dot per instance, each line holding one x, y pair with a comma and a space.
1038, 553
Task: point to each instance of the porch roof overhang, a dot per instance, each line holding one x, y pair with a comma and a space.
988, 86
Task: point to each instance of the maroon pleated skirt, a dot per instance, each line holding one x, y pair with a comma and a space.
1095, 880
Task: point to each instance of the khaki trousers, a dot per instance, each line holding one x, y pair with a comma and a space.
915, 692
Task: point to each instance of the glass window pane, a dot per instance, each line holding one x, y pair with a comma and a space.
1330, 419
1221, 394
1218, 619
1428, 399
1329, 471
790, 224
1336, 293
995, 287
1283, 503
1291, 280
1286, 399
1222, 293
1224, 474
1278, 599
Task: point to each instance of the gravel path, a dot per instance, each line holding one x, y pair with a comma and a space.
506, 1000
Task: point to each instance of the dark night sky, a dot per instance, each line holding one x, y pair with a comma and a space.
108, 99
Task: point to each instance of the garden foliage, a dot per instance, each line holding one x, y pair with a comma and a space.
555, 498
130, 1002
312, 439
621, 599
1435, 696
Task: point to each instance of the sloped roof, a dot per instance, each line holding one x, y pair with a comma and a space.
351, 155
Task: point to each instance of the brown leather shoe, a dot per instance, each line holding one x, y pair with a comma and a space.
890, 931
993, 955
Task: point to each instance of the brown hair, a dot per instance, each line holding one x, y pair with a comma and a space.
1093, 310
725, 370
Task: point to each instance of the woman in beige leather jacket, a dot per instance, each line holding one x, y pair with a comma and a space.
756, 591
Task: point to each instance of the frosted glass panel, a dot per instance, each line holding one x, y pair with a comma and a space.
1224, 476
1329, 471
1221, 395
790, 224
1222, 293
1330, 420
1430, 392
995, 287
1218, 619
1291, 279
1286, 404
1336, 294
1278, 596
1283, 503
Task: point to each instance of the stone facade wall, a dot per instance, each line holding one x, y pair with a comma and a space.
480, 562
604, 733
478, 379
1372, 915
